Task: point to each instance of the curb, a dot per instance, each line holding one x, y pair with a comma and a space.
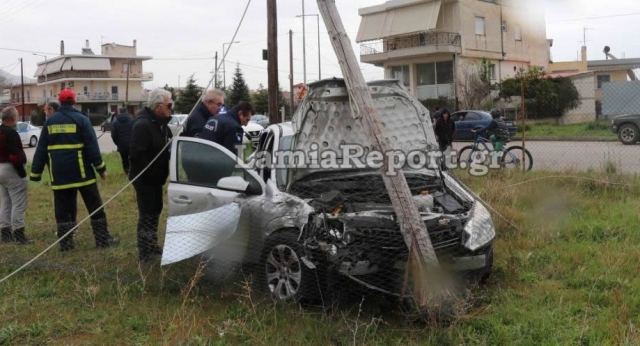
564, 139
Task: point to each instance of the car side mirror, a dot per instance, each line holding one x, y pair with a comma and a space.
233, 184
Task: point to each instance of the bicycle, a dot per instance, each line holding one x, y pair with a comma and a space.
511, 157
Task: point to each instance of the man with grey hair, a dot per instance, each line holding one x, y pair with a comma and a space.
150, 136
210, 106
50, 108
13, 185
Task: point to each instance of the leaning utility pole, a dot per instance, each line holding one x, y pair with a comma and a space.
291, 96
422, 260
22, 87
272, 52
304, 47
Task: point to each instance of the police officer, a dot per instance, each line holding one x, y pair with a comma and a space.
68, 145
226, 129
212, 103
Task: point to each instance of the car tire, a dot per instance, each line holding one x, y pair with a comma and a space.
33, 141
628, 134
283, 273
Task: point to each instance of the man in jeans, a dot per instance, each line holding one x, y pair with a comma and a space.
149, 138
13, 185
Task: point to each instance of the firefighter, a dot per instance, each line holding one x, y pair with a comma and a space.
68, 146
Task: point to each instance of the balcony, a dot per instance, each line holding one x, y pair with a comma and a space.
410, 46
107, 97
147, 76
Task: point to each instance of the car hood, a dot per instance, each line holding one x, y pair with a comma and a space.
325, 120
627, 117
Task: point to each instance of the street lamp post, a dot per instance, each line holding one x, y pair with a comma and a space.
46, 96
224, 59
319, 60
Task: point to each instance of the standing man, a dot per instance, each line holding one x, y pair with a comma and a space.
50, 108
210, 106
149, 138
121, 135
68, 145
13, 185
226, 129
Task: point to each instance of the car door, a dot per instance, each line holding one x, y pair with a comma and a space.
23, 131
462, 130
208, 192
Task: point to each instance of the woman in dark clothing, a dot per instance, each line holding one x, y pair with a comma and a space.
13, 185
445, 128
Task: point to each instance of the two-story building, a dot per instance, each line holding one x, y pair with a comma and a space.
432, 46
103, 82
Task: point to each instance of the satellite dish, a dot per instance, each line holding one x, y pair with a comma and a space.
607, 49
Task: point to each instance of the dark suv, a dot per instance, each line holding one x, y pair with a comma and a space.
626, 126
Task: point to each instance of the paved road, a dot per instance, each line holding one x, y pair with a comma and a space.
547, 155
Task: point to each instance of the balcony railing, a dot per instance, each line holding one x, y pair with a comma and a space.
424, 39
95, 74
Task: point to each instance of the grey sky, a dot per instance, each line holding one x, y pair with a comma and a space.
183, 36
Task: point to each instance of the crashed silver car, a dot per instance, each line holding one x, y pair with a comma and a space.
302, 222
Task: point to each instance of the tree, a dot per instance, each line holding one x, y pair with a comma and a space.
474, 87
260, 100
188, 97
239, 90
544, 96
172, 90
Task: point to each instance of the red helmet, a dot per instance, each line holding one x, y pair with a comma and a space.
67, 96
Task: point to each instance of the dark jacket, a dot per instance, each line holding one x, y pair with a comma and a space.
149, 137
11, 149
445, 130
225, 129
498, 128
196, 120
68, 145
121, 131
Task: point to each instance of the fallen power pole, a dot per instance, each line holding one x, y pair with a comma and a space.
422, 258
272, 57
291, 96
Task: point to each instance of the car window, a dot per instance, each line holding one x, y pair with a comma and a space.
22, 127
471, 116
204, 165
458, 116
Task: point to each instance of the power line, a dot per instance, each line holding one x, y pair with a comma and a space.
595, 17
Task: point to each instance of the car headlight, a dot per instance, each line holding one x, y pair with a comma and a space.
479, 228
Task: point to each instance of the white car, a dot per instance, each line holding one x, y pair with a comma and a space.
177, 120
29, 134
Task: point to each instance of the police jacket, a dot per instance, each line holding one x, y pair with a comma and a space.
196, 120
121, 131
225, 129
68, 146
149, 137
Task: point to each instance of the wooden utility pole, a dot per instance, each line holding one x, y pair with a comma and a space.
272, 49
422, 257
22, 88
291, 96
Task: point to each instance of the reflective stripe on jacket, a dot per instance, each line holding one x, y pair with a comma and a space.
68, 146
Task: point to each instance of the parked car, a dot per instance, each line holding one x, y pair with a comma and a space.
176, 122
301, 225
261, 119
468, 120
252, 131
29, 134
107, 123
626, 127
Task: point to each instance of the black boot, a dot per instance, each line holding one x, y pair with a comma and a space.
7, 236
20, 238
101, 234
66, 244
147, 237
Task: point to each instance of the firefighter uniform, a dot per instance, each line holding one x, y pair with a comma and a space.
69, 147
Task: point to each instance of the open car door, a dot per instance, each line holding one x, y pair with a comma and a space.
207, 190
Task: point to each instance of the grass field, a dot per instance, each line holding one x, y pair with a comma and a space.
566, 273
584, 131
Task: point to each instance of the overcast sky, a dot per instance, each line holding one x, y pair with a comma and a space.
182, 36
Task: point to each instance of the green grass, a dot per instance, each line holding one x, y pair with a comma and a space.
585, 131
567, 273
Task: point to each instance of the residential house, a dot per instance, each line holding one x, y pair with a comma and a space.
434, 46
103, 82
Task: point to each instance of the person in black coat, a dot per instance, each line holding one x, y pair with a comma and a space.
209, 107
149, 138
226, 129
445, 128
121, 135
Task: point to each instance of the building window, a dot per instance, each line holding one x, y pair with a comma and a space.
114, 90
426, 74
28, 96
85, 90
401, 73
480, 27
444, 72
125, 67
603, 78
440, 72
517, 33
62, 85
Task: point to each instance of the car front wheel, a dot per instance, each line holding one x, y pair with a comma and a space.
628, 134
285, 274
33, 141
